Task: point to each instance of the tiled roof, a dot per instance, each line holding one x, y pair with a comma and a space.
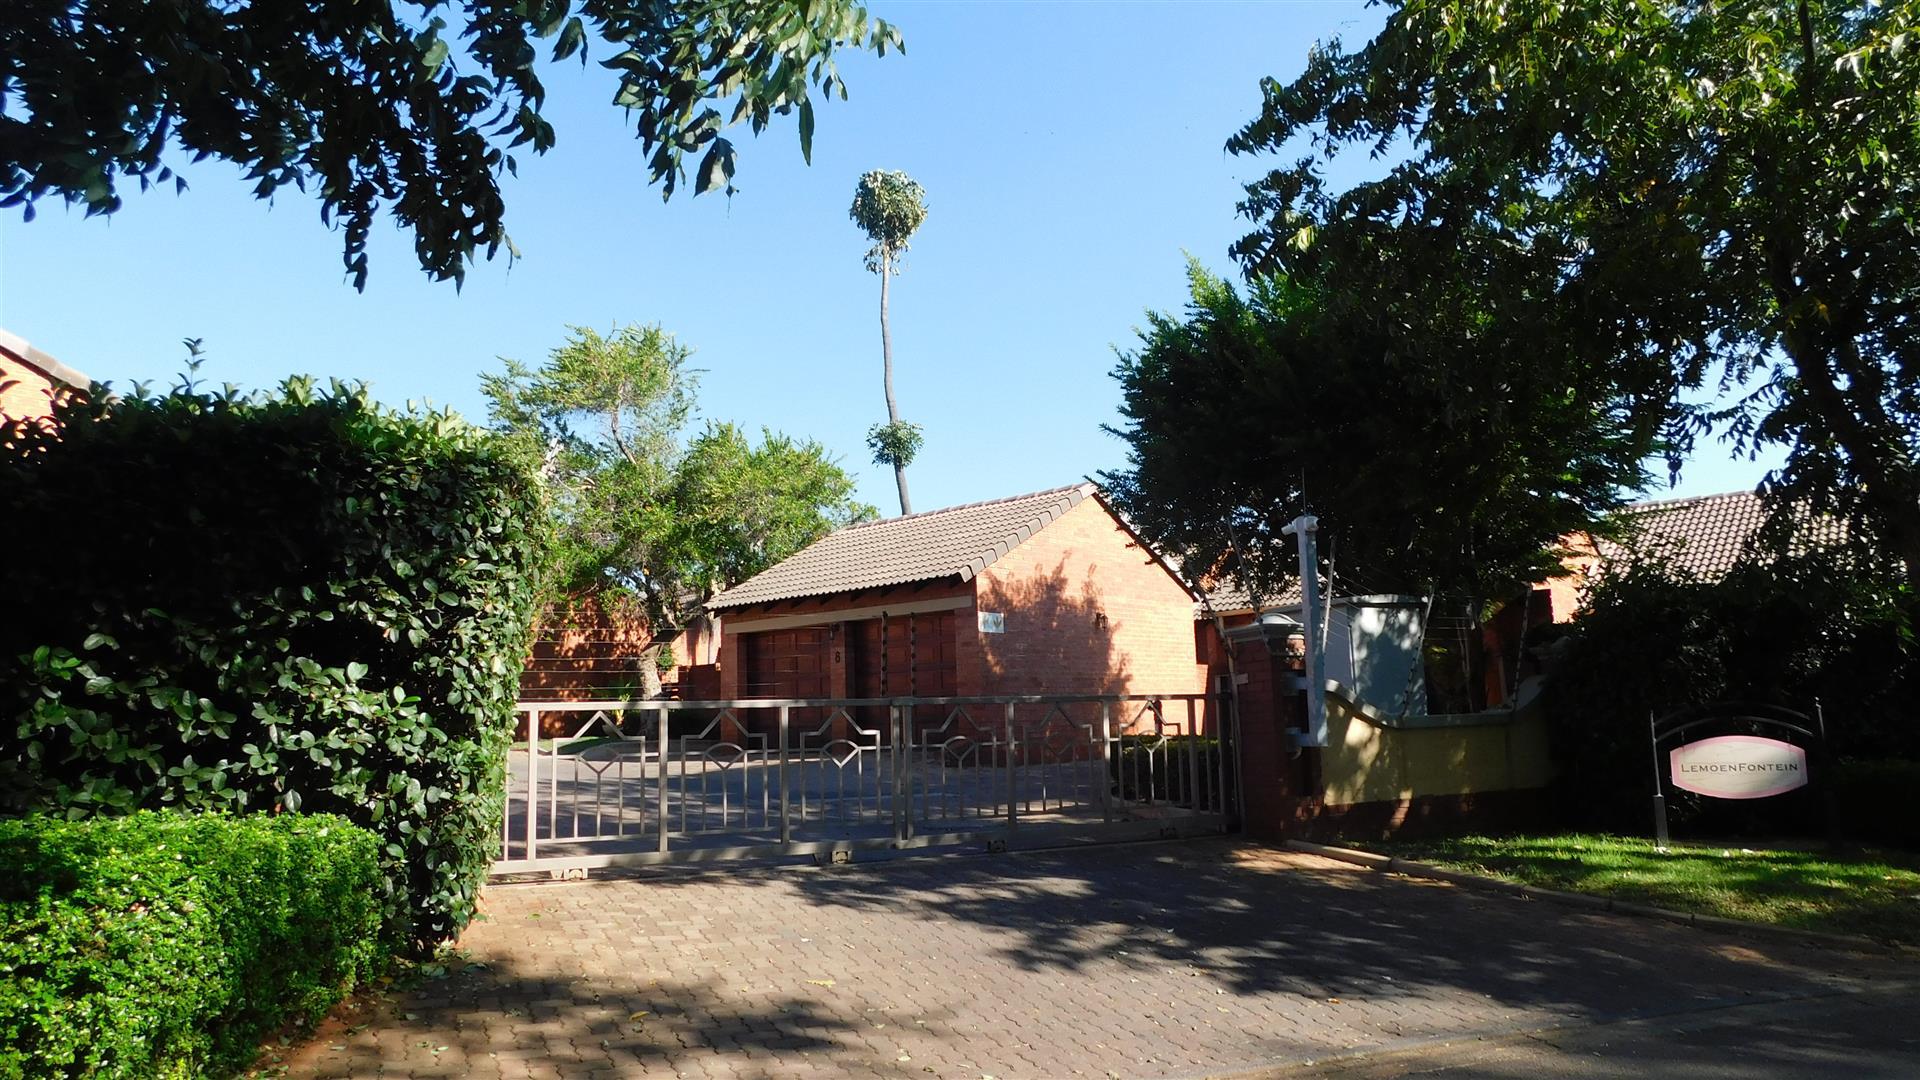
20, 350
959, 541
1705, 536
1231, 597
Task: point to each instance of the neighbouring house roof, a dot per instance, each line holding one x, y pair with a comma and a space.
17, 349
958, 542
1232, 598
1705, 536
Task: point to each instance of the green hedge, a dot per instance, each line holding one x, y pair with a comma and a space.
1873, 801
165, 944
1791, 632
1144, 771
301, 601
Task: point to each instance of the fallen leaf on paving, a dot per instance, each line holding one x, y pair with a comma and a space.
820, 982
641, 1015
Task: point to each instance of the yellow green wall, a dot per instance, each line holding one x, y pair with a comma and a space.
1365, 761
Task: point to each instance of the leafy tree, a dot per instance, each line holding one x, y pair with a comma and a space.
1718, 195
643, 511
384, 103
890, 207
1440, 458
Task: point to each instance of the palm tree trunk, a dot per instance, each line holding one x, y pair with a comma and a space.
886, 360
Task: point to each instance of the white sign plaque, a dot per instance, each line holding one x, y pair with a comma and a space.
993, 622
1738, 767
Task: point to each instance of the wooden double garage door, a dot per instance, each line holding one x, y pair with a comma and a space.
893, 657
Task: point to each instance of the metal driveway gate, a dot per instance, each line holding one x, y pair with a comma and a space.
633, 782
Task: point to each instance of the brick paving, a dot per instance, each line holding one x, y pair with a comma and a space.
1148, 960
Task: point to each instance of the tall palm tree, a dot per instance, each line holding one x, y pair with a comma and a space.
890, 207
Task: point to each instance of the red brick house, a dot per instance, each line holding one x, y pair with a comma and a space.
1043, 593
29, 379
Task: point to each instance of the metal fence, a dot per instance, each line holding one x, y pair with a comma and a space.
634, 782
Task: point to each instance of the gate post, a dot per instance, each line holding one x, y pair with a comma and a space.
1106, 762
786, 821
1193, 758
1659, 790
902, 773
533, 782
1220, 765
662, 820
1013, 782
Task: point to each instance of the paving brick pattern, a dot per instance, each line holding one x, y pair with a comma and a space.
1149, 960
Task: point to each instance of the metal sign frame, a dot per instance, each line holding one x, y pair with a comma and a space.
1729, 714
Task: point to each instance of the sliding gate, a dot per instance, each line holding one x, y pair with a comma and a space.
595, 784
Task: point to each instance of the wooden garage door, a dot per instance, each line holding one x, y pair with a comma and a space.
905, 655
785, 663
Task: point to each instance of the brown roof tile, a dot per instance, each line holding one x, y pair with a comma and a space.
959, 541
1231, 597
1705, 536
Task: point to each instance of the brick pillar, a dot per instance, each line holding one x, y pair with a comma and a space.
729, 666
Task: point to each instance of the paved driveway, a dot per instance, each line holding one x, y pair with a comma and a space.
1149, 960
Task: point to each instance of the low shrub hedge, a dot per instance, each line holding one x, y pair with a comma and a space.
167, 944
300, 601
1873, 801
1144, 771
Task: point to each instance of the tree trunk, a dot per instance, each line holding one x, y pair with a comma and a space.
650, 672
886, 368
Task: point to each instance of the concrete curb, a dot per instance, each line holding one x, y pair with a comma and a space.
1590, 902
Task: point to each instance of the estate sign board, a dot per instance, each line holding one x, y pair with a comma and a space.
1738, 767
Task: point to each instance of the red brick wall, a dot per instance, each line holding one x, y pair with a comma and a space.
24, 392
584, 649
1273, 782
1088, 611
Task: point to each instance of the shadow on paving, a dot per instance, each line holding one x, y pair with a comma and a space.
508, 1018
1860, 1036
1097, 960
1264, 922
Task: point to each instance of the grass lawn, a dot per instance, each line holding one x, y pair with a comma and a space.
1872, 893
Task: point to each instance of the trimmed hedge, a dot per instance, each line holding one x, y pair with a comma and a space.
167, 944
1144, 771
301, 601
1873, 801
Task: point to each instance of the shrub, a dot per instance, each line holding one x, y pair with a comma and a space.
301, 601
164, 944
1144, 771
1873, 802
1789, 632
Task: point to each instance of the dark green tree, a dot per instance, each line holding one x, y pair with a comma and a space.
643, 511
1439, 458
415, 106
890, 207
1718, 196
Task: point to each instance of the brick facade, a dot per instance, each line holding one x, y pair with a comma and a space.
1087, 610
29, 379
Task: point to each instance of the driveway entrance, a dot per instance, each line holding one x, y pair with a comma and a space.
702, 781
1141, 960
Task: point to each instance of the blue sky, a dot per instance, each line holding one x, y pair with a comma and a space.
1071, 154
